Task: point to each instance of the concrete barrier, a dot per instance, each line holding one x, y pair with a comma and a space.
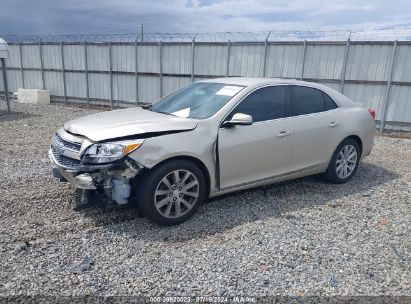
34, 96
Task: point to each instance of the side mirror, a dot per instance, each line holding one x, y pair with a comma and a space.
239, 119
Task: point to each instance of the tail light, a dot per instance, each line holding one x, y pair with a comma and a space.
372, 113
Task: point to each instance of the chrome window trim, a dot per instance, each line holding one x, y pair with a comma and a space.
316, 113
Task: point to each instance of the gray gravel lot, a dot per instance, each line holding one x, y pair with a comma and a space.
303, 237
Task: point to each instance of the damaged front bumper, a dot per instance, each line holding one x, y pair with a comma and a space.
81, 181
113, 179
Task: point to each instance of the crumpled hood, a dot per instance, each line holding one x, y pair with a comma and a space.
126, 122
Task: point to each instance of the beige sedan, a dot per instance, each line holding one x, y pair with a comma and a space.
210, 138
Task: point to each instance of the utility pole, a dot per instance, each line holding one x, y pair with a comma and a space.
142, 32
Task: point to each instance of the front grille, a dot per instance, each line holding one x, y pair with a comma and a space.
60, 149
66, 145
64, 161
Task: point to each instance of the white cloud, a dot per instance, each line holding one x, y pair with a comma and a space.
201, 16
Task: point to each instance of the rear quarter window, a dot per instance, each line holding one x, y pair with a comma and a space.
329, 102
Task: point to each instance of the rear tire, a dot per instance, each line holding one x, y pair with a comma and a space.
344, 162
171, 193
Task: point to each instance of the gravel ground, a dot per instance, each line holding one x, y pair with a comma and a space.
303, 237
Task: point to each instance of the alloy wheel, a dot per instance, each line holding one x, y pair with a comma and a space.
176, 193
346, 161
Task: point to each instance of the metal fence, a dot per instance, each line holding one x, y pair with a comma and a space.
375, 34
375, 73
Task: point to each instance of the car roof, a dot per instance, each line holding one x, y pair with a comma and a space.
255, 81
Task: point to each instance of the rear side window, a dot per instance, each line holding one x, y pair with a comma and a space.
263, 104
310, 100
307, 100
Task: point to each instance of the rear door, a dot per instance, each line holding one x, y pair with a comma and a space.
263, 149
317, 125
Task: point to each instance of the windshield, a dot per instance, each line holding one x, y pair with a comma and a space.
198, 100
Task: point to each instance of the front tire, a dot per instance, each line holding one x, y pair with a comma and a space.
171, 193
344, 162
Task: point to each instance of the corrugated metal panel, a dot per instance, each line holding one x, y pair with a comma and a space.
399, 106
177, 59
54, 83
76, 84
32, 80
1, 80
124, 88
368, 62
98, 57
74, 57
4, 50
371, 95
170, 84
199, 78
284, 60
31, 56
124, 58
149, 88
324, 61
332, 85
99, 85
14, 59
14, 80
210, 60
246, 60
403, 64
388, 126
51, 56
148, 58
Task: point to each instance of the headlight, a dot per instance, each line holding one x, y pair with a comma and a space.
108, 152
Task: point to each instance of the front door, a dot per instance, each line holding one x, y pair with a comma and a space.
262, 150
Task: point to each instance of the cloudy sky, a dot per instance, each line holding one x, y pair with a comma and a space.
124, 16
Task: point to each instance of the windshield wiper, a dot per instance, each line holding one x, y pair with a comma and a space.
147, 107
150, 108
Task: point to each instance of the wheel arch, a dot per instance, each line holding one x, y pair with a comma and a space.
330, 174
357, 140
354, 137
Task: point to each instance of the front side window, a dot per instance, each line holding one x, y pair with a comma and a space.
263, 104
198, 100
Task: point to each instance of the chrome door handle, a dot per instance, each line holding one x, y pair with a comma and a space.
333, 124
283, 134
